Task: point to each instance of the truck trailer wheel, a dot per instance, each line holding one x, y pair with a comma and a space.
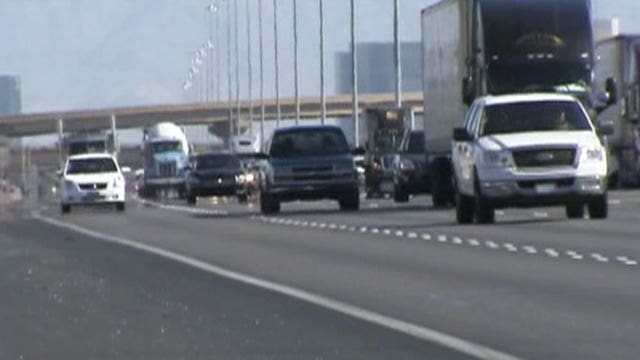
269, 204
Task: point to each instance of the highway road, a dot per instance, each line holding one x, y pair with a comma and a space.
390, 281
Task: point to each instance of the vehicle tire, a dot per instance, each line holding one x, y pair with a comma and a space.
191, 199
485, 213
400, 195
575, 210
350, 202
441, 183
121, 206
65, 208
465, 208
599, 207
269, 204
243, 198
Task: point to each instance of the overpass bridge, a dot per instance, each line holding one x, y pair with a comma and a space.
208, 113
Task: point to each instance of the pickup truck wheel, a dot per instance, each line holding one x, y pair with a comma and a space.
575, 210
465, 208
268, 204
120, 206
350, 202
242, 198
65, 208
599, 207
485, 214
400, 195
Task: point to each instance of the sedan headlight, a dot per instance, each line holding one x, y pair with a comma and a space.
501, 158
241, 178
592, 154
250, 177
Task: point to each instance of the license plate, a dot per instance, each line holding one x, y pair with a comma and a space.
545, 188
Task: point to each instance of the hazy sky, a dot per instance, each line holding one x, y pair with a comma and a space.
98, 53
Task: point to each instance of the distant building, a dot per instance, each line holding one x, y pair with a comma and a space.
376, 72
10, 98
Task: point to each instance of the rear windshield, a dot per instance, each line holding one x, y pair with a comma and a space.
533, 116
204, 162
91, 166
312, 142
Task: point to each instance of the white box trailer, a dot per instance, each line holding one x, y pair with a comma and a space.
620, 56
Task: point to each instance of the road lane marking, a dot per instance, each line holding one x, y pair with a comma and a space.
401, 326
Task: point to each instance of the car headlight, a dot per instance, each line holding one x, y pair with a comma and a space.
250, 177
407, 165
592, 154
501, 158
241, 178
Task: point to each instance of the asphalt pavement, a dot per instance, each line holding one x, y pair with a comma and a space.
533, 285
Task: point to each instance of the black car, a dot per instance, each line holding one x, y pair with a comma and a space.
215, 174
410, 172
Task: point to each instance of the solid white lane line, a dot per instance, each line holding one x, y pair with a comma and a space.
420, 332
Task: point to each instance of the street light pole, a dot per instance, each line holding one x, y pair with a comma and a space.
262, 110
249, 60
229, 92
235, 11
354, 75
295, 60
277, 65
323, 102
397, 60
217, 50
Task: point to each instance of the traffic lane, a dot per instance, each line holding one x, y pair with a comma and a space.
73, 297
475, 293
538, 228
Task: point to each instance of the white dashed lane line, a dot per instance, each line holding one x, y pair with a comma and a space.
508, 247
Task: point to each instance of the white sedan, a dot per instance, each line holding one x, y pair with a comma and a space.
92, 179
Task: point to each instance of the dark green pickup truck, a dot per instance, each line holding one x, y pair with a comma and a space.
309, 163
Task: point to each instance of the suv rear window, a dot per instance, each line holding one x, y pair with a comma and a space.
309, 142
533, 116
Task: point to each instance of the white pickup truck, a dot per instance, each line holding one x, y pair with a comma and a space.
528, 150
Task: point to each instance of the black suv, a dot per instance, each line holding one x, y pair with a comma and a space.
410, 172
309, 163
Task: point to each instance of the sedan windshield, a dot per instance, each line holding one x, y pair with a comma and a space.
309, 143
533, 116
91, 166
